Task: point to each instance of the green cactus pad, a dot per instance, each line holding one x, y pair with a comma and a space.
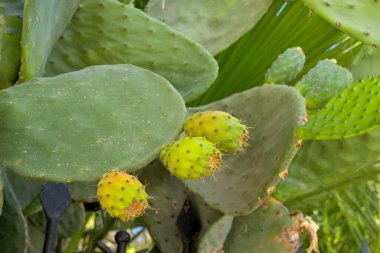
272, 112
77, 126
109, 32
358, 18
267, 230
323, 82
1, 192
84, 192
366, 63
213, 239
44, 21
168, 195
14, 231
215, 24
353, 112
286, 67
10, 36
324, 164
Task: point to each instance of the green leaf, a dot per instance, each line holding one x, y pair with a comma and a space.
44, 21
109, 32
272, 113
10, 36
77, 126
354, 111
215, 24
358, 18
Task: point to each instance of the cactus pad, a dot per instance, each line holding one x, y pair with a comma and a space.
267, 230
10, 36
286, 67
215, 24
110, 32
191, 158
220, 128
122, 195
366, 63
78, 125
44, 21
213, 239
168, 195
323, 82
358, 18
247, 178
14, 231
353, 112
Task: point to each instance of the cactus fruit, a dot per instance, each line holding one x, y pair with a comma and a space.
323, 82
191, 158
219, 128
122, 195
286, 67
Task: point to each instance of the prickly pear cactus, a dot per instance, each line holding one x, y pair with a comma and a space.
10, 36
78, 125
191, 158
215, 24
286, 67
213, 239
323, 82
121, 33
44, 21
13, 232
249, 177
269, 229
366, 63
1, 192
220, 128
357, 18
168, 194
353, 112
122, 195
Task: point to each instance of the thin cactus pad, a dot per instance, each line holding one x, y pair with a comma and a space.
366, 63
215, 24
353, 112
44, 21
110, 32
10, 36
358, 18
249, 177
76, 126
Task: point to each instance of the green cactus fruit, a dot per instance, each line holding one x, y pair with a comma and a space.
122, 195
192, 158
220, 128
323, 82
286, 67
358, 18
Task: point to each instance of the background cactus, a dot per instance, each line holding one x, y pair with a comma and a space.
159, 61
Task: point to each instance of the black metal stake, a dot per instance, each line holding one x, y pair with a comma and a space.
122, 238
55, 199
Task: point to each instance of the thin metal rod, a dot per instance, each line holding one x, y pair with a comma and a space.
50, 235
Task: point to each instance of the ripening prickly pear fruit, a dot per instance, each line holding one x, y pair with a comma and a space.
192, 158
222, 129
286, 67
122, 195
